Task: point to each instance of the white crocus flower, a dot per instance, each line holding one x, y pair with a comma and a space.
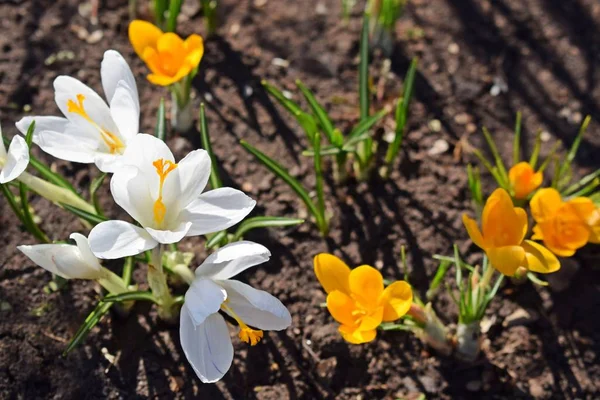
14, 161
73, 262
166, 199
203, 332
93, 131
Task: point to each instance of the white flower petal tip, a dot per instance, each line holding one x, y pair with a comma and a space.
15, 161
232, 259
118, 239
207, 346
66, 260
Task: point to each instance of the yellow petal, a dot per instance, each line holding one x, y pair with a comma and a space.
501, 222
522, 222
544, 204
366, 285
332, 273
194, 47
396, 300
342, 308
371, 319
356, 336
473, 231
143, 34
507, 259
540, 259
161, 80
524, 179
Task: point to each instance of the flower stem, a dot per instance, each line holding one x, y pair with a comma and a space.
55, 193
112, 282
157, 281
487, 277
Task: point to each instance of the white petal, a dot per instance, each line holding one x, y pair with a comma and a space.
125, 111
84, 248
118, 239
17, 159
67, 146
170, 236
109, 163
129, 188
67, 88
193, 172
113, 69
207, 347
255, 307
57, 124
232, 259
216, 210
64, 260
2, 148
203, 298
144, 149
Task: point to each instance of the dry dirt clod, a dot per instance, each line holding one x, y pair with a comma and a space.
520, 317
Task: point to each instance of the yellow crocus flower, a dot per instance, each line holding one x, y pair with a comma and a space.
168, 57
357, 299
502, 237
564, 226
524, 180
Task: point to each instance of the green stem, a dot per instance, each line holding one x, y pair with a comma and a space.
184, 273
487, 277
112, 282
157, 281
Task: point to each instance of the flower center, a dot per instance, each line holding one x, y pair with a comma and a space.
247, 334
115, 145
163, 168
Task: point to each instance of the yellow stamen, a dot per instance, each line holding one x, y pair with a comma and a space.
163, 168
112, 141
247, 334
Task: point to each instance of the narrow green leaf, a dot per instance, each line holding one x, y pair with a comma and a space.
161, 121
321, 115
306, 121
366, 124
263, 222
533, 278
537, 146
574, 147
215, 180
438, 278
363, 70
499, 163
131, 296
174, 10
281, 172
12, 202
30, 224
492, 170
583, 182
127, 270
402, 114
93, 219
216, 239
29, 135
323, 226
94, 186
92, 319
159, 8
458, 265
517, 140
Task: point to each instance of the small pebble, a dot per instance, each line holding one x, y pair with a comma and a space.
435, 125
462, 118
453, 48
439, 146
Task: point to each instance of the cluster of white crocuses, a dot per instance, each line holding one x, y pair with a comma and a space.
165, 199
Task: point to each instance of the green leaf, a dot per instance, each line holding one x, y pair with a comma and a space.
498, 160
323, 226
30, 224
366, 124
94, 186
29, 135
93, 219
536, 149
263, 222
438, 278
402, 114
12, 202
215, 180
127, 271
281, 172
161, 121
216, 239
517, 140
321, 115
566, 165
92, 319
306, 121
363, 70
131, 296
174, 10
533, 278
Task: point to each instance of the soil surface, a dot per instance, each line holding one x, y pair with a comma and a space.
543, 53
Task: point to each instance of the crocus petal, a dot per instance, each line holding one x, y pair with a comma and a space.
207, 346
540, 259
118, 239
473, 231
143, 150
255, 307
203, 298
545, 203
114, 69
64, 260
143, 34
501, 224
216, 210
356, 336
67, 146
193, 172
232, 259
125, 110
341, 307
86, 252
57, 124
17, 159
507, 259
109, 163
521, 222
366, 285
396, 300
129, 189
524, 179
170, 236
332, 273
194, 47
166, 80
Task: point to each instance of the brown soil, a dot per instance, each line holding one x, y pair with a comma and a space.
545, 50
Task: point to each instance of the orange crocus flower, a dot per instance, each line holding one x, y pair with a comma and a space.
564, 226
357, 299
502, 237
524, 180
168, 57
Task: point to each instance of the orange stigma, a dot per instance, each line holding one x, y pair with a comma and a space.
163, 168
